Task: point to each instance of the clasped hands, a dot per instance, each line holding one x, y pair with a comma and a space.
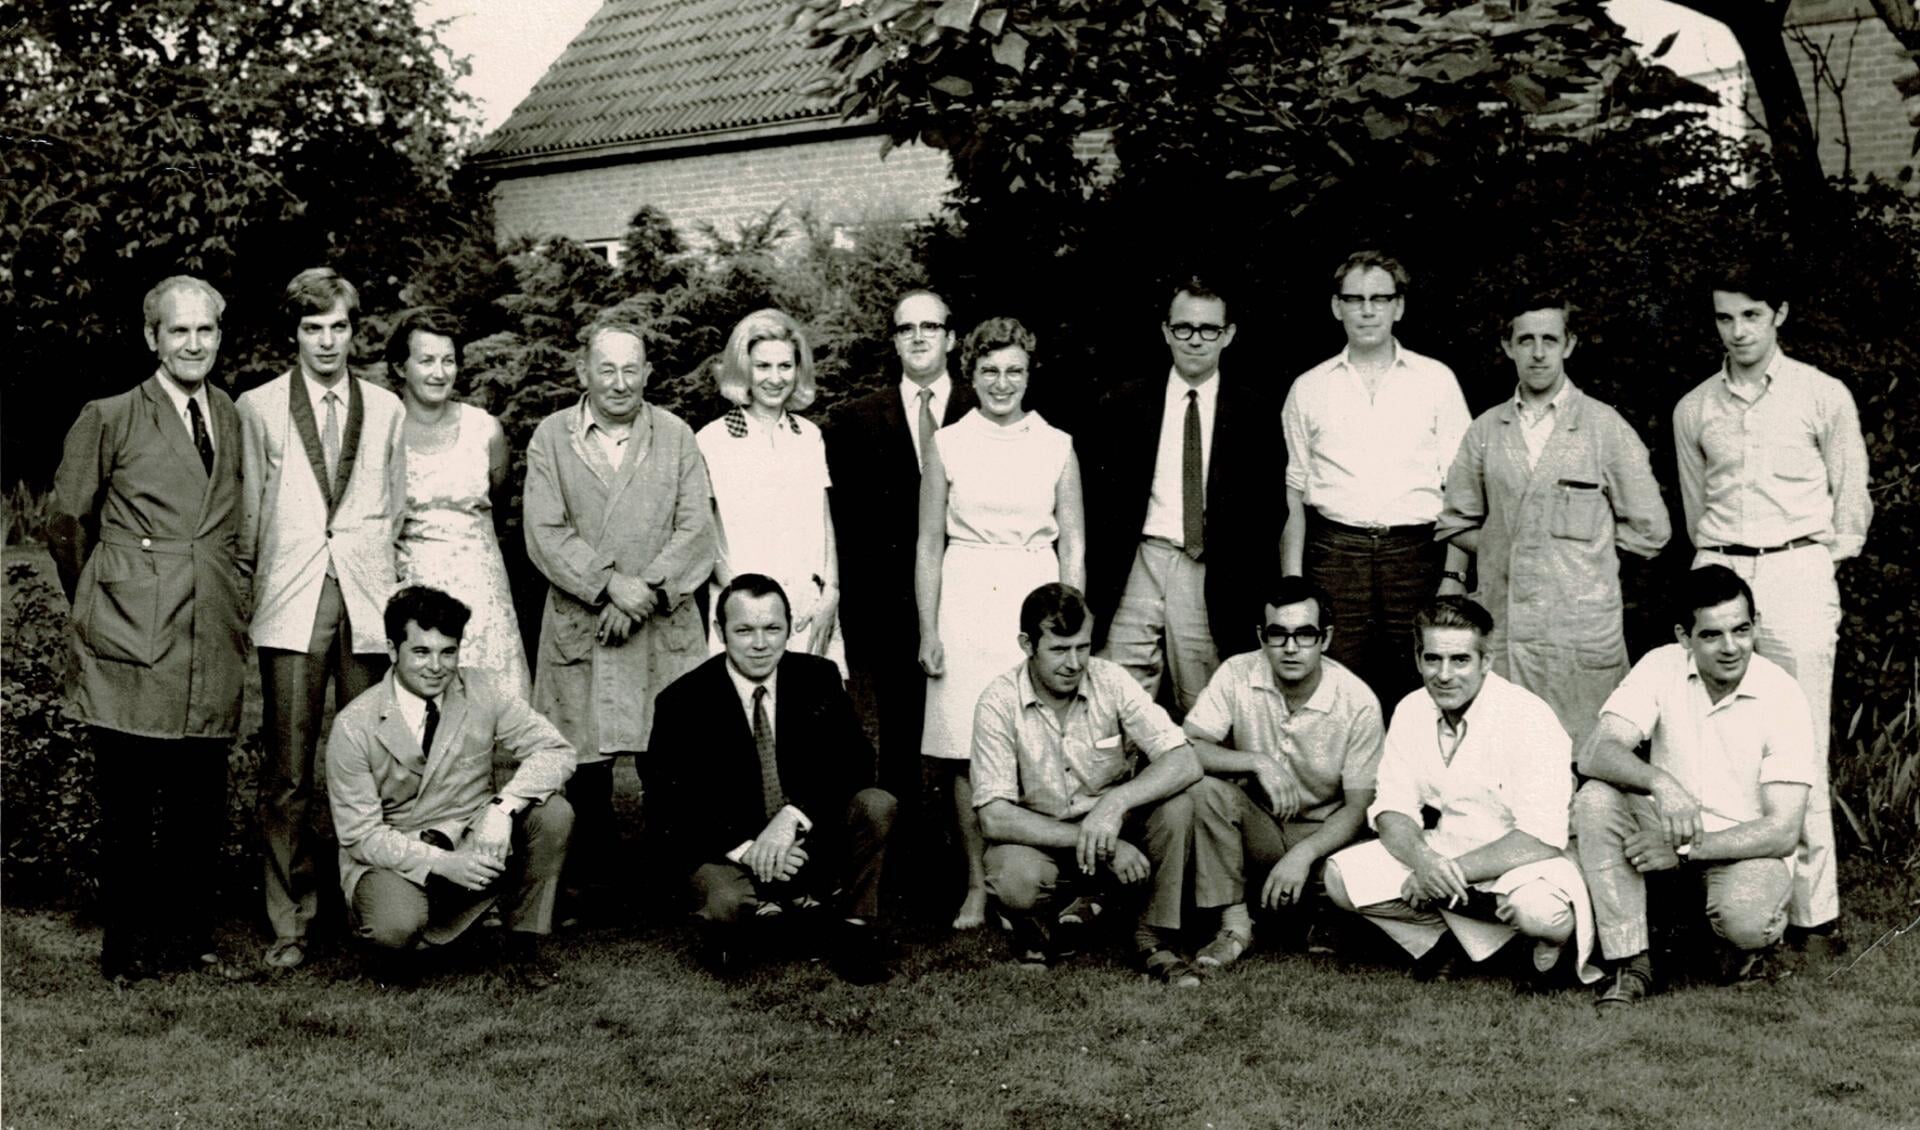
482, 854
1656, 848
630, 600
775, 855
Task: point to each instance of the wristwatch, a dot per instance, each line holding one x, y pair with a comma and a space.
1454, 575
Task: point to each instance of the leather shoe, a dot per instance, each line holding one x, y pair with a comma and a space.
860, 955
286, 953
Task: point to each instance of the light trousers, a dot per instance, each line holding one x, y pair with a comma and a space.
1799, 605
1160, 626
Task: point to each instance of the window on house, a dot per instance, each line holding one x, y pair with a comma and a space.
608, 249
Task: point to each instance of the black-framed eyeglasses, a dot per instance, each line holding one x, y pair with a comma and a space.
1184, 331
929, 329
1376, 301
1303, 638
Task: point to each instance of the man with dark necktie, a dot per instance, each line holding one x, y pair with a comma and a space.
145, 510
765, 785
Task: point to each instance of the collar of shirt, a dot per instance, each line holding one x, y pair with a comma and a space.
1528, 415
744, 687
1399, 357
1778, 368
1260, 678
1740, 691
1030, 695
317, 396
413, 711
1177, 389
942, 389
181, 397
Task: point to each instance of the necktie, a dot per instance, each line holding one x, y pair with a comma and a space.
927, 427
202, 442
1193, 504
433, 724
330, 437
770, 795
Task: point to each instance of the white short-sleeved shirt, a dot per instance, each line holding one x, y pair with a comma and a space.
1378, 459
1723, 752
1513, 770
1331, 744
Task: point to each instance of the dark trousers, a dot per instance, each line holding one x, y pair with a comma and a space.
294, 687
163, 809
1377, 582
392, 912
595, 841
900, 709
847, 860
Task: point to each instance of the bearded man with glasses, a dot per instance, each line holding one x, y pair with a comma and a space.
1370, 434
1289, 740
1180, 530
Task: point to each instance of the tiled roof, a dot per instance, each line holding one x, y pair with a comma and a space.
651, 70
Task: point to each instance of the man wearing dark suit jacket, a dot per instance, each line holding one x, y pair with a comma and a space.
1185, 502
146, 509
765, 787
875, 451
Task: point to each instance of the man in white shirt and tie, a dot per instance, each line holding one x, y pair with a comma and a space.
1370, 435
321, 514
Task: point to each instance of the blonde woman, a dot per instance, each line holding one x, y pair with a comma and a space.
769, 473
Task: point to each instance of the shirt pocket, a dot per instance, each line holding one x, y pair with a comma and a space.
1103, 763
125, 611
1580, 511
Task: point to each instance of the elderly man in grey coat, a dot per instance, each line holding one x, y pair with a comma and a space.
146, 510
619, 519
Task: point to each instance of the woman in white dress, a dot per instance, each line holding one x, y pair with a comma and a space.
456, 460
1000, 515
769, 473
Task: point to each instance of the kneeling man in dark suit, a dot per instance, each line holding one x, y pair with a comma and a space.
426, 844
765, 787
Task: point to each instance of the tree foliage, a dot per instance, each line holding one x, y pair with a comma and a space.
233, 139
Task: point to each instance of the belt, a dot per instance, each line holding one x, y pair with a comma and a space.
1423, 529
1761, 551
179, 547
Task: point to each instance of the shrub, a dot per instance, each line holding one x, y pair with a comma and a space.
46, 773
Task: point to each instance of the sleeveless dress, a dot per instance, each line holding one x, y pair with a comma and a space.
1000, 547
770, 494
447, 541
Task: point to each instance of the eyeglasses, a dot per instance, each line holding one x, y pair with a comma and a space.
1302, 637
1374, 301
989, 372
929, 329
1184, 331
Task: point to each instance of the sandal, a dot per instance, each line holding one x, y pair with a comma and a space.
1170, 968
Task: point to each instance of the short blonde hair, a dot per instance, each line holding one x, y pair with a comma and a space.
736, 362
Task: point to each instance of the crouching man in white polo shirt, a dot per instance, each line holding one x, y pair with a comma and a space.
1723, 798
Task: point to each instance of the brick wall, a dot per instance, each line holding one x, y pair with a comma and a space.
1859, 47
843, 179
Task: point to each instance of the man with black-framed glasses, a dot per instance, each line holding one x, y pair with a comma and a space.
876, 447
1179, 530
1370, 435
1289, 740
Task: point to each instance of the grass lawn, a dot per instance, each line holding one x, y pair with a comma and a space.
638, 1035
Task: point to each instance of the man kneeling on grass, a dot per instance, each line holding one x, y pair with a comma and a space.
1063, 810
1720, 806
426, 845
1290, 741
765, 788
1493, 763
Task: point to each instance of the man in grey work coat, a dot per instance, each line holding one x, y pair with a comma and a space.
619, 519
1546, 491
146, 510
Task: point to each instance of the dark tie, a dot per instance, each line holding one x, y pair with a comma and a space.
927, 428
202, 442
433, 723
1193, 502
770, 795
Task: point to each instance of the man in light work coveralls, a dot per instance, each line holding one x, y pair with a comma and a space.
1546, 491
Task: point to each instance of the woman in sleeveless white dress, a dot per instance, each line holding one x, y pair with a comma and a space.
1000, 515
768, 468
455, 457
